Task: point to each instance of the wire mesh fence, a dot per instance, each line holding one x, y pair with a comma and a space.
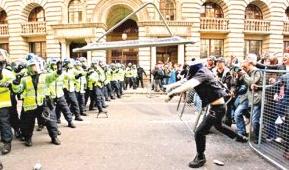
272, 139
190, 109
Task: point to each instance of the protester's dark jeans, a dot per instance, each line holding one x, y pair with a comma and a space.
241, 108
214, 118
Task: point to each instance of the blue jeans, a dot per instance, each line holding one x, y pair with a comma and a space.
256, 119
239, 119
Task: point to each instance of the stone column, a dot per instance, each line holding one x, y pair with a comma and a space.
181, 54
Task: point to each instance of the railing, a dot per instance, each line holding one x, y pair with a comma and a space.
214, 24
286, 27
254, 25
4, 30
31, 28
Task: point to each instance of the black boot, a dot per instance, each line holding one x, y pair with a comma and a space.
58, 121
241, 139
198, 162
6, 148
78, 118
28, 142
83, 114
55, 141
71, 125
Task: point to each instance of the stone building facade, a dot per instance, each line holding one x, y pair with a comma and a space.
52, 28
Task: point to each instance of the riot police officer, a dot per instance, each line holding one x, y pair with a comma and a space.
6, 78
36, 100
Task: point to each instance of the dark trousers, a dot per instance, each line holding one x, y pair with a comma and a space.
62, 106
128, 81
115, 88
72, 102
92, 97
214, 118
99, 98
121, 86
14, 117
140, 82
5, 127
81, 101
28, 122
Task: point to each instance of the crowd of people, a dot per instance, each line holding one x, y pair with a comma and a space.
46, 89
243, 83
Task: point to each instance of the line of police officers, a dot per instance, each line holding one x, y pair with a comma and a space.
60, 87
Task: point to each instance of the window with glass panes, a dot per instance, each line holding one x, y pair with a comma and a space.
37, 15
38, 48
253, 46
212, 10
3, 17
286, 47
253, 12
4, 46
213, 47
75, 11
168, 9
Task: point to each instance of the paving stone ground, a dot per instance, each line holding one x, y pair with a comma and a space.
141, 133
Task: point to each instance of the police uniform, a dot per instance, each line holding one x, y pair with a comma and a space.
34, 91
69, 92
57, 94
6, 78
80, 90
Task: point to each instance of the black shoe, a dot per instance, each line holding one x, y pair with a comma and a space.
40, 127
58, 121
241, 139
108, 100
28, 142
83, 114
105, 106
91, 109
6, 148
58, 132
55, 141
198, 162
71, 125
78, 118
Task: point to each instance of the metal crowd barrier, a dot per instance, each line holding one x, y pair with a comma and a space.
273, 139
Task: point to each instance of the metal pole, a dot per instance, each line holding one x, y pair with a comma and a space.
262, 108
130, 15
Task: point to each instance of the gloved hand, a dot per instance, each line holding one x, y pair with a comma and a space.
78, 76
59, 67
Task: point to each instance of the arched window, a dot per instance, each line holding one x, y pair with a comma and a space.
287, 13
212, 10
168, 9
37, 15
3, 17
75, 11
253, 12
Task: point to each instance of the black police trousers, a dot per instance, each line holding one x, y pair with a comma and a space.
5, 127
81, 101
121, 87
95, 98
72, 102
214, 118
62, 106
28, 122
115, 88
